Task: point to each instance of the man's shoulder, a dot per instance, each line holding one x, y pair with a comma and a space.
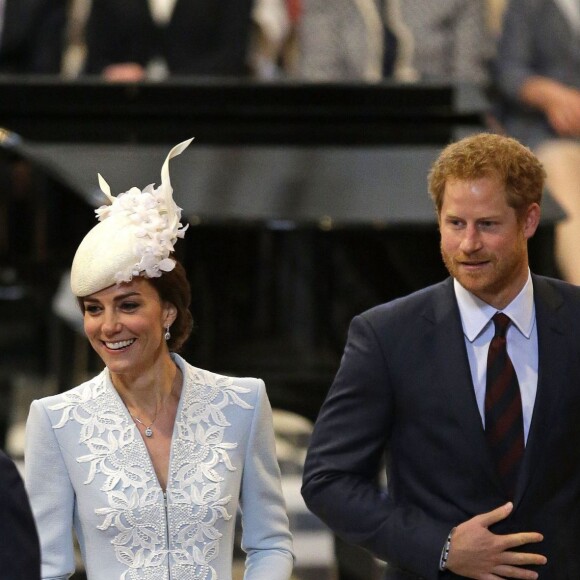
420, 300
555, 297
554, 287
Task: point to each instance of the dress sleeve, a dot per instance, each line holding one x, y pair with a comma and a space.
51, 495
266, 537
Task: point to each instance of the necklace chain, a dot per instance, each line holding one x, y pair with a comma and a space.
148, 428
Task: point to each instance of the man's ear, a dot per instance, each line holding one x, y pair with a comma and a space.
531, 220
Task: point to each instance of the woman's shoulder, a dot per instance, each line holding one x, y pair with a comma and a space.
236, 389
223, 404
207, 384
77, 395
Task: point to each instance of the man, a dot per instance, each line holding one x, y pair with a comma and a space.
481, 483
160, 37
19, 547
32, 34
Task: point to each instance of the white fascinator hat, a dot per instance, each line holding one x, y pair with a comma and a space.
135, 236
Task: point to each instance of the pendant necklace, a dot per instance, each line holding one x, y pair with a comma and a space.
148, 428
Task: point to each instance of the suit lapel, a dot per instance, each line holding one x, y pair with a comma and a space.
553, 349
455, 376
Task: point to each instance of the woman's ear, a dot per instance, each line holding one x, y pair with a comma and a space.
169, 314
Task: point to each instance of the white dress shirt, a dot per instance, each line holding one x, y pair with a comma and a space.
522, 343
162, 10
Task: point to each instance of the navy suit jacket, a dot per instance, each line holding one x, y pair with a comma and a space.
32, 37
19, 546
404, 392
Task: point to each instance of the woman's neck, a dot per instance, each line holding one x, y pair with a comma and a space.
150, 388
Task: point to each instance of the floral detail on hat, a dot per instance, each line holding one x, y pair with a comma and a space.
155, 220
155, 234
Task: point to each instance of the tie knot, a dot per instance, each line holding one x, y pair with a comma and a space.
501, 321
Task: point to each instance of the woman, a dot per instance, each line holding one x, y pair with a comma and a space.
150, 459
405, 40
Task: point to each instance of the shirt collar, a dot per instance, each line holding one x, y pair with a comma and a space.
476, 314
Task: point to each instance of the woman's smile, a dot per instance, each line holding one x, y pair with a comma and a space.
119, 345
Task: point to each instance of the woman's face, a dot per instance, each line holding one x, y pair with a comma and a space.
125, 325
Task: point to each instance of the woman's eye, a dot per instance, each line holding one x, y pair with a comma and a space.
129, 306
92, 309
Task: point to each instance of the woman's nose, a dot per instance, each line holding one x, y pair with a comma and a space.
111, 324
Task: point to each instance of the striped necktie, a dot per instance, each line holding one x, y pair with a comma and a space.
504, 425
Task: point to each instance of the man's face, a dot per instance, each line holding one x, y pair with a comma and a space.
483, 244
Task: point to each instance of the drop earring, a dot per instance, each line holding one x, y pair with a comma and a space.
167, 333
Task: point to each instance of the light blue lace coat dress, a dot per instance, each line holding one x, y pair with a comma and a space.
87, 467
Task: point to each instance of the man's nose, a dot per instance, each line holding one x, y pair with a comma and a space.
471, 241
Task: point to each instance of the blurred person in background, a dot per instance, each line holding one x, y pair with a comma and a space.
32, 34
274, 49
410, 40
137, 39
150, 460
538, 84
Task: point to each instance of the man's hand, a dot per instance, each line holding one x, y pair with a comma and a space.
478, 553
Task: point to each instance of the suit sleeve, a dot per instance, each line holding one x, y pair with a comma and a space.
353, 430
266, 537
19, 549
48, 42
51, 495
131, 28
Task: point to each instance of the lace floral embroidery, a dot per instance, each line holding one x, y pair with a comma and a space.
183, 525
